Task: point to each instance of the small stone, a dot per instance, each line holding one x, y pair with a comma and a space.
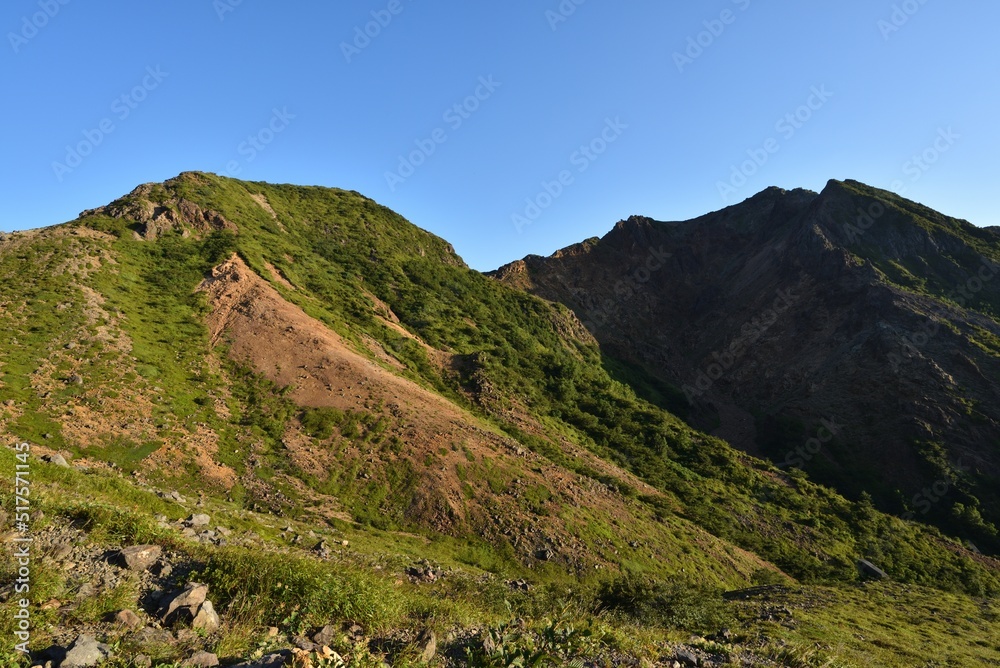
276, 660
202, 660
325, 636
199, 520
686, 657
57, 459
128, 619
139, 557
429, 642
142, 661
85, 652
192, 597
272, 632
868, 569
305, 644
86, 590
206, 619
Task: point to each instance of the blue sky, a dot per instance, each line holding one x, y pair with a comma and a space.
569, 118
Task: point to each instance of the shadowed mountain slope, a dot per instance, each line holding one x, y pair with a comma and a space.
851, 333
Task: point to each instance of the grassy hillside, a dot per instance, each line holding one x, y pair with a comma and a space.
533, 457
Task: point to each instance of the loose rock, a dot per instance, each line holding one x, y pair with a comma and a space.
206, 619
139, 557
57, 459
429, 641
325, 636
202, 660
199, 520
85, 652
128, 619
686, 657
276, 660
192, 597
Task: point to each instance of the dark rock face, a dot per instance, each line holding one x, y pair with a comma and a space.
852, 333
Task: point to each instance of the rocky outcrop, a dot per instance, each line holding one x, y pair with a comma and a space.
823, 330
155, 211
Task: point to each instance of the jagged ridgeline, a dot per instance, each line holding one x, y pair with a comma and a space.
305, 353
851, 333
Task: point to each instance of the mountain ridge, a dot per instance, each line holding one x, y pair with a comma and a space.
856, 243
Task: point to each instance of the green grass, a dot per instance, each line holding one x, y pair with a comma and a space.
282, 589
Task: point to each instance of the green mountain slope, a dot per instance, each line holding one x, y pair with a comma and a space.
305, 354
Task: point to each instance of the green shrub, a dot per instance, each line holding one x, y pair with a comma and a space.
280, 589
511, 645
107, 523
679, 604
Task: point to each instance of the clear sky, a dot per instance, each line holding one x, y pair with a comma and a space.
571, 116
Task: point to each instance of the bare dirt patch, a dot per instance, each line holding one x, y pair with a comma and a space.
278, 277
264, 204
